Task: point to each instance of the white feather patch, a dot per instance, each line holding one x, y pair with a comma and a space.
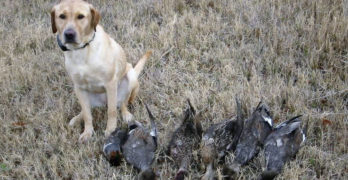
280, 125
268, 120
303, 137
153, 133
179, 142
131, 131
279, 142
106, 145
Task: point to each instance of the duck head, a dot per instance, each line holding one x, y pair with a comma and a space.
112, 146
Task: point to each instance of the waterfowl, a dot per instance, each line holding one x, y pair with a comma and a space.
219, 139
282, 145
139, 149
255, 131
112, 146
184, 141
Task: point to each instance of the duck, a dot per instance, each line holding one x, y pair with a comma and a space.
256, 128
112, 149
219, 139
185, 139
281, 145
140, 147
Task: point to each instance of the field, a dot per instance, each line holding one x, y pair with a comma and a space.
292, 54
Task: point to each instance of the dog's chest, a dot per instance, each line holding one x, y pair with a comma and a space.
89, 76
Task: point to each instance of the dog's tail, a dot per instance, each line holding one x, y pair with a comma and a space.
140, 65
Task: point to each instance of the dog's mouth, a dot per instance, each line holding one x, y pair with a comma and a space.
71, 42
67, 42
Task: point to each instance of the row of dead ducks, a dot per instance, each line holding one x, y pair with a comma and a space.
138, 145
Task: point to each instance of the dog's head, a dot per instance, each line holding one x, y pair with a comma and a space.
75, 21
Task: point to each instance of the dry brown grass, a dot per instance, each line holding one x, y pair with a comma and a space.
291, 53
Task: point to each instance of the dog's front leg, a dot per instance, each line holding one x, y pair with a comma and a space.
111, 93
82, 96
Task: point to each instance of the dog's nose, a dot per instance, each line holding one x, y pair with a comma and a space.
70, 35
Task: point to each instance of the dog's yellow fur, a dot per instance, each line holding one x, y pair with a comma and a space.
100, 72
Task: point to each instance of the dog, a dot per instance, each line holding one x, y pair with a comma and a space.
96, 63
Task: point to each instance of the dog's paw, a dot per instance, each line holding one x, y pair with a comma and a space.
108, 132
86, 135
127, 116
110, 127
75, 119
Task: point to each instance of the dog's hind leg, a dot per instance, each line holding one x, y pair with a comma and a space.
132, 90
133, 94
126, 115
75, 119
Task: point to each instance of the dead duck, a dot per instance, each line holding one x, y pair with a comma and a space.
220, 139
139, 149
255, 131
113, 145
282, 145
184, 140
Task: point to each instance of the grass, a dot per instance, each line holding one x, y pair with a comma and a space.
292, 54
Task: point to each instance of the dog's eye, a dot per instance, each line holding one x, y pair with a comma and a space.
80, 16
62, 16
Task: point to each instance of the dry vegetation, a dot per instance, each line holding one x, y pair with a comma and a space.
291, 53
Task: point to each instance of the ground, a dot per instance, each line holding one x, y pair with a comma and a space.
290, 54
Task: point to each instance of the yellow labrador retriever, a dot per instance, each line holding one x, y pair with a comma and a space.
96, 64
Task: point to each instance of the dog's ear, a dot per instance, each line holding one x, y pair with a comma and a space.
95, 18
53, 20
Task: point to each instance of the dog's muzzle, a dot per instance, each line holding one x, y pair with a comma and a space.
70, 36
